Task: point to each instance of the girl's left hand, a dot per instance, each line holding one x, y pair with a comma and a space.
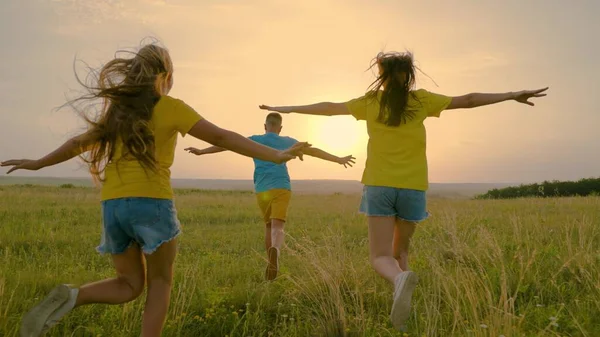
525, 95
21, 164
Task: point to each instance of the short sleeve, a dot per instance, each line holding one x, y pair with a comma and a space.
291, 141
436, 103
185, 117
358, 107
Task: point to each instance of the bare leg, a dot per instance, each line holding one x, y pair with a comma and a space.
277, 239
160, 278
127, 286
381, 233
267, 236
403, 233
277, 233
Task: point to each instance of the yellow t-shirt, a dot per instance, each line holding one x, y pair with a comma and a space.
170, 116
396, 156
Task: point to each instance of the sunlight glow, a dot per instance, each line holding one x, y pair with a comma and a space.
340, 136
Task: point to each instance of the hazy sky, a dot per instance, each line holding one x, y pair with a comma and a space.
232, 55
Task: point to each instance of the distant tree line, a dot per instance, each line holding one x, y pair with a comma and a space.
583, 187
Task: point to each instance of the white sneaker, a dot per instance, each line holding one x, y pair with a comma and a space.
404, 286
34, 321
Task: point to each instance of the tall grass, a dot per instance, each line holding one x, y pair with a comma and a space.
527, 267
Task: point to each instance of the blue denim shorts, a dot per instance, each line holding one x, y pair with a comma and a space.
404, 204
146, 221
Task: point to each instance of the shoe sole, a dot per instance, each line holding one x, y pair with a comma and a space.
33, 322
401, 307
273, 266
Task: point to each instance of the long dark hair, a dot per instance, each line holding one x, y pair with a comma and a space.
128, 89
397, 77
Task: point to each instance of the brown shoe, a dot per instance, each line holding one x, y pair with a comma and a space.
273, 266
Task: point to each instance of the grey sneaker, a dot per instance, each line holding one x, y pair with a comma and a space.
34, 321
63, 310
404, 286
273, 266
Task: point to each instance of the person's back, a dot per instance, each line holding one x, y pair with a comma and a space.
268, 175
127, 177
397, 153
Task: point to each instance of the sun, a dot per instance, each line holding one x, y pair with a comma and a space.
341, 135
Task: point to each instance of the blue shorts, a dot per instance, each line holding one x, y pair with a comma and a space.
404, 204
146, 221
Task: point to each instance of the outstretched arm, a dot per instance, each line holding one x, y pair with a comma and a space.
208, 150
321, 109
318, 153
70, 149
210, 133
474, 100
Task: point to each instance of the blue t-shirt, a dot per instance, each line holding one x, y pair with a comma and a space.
268, 175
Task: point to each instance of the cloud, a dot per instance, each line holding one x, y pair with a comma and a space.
78, 17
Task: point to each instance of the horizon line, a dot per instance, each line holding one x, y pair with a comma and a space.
250, 180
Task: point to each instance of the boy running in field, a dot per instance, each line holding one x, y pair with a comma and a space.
272, 185
130, 146
395, 177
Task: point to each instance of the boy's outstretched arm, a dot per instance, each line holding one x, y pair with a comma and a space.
208, 150
318, 153
70, 149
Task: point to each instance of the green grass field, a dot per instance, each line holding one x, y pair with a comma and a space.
488, 268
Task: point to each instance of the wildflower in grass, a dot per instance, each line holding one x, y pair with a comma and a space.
284, 316
483, 326
553, 319
554, 324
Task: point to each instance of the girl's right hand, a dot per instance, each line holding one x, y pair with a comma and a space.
21, 164
292, 152
280, 109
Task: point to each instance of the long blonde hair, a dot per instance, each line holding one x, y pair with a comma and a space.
128, 88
